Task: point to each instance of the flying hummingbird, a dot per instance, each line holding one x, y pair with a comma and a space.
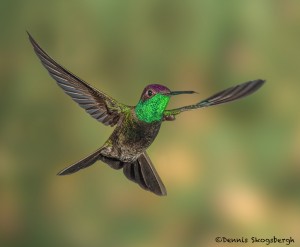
136, 126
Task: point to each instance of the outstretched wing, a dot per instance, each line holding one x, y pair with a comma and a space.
227, 95
98, 104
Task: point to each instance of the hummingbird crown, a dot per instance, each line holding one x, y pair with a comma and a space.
153, 89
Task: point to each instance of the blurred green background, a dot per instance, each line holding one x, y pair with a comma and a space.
231, 170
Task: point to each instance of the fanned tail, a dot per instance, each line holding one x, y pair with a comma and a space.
144, 174
140, 171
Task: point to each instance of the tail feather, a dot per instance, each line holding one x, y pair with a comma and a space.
143, 173
140, 171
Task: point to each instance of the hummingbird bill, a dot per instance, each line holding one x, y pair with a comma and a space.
136, 127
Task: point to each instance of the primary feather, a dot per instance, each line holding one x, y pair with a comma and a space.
98, 104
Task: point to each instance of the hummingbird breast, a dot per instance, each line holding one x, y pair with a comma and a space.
130, 138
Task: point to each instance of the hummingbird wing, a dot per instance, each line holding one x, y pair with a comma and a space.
143, 173
83, 163
227, 95
98, 104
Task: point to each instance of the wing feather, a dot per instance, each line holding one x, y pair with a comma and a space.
227, 95
98, 104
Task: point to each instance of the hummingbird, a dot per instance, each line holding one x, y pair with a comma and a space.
136, 127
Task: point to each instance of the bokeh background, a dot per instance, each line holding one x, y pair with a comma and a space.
231, 170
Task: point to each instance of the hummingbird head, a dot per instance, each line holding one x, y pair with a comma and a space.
153, 102
152, 90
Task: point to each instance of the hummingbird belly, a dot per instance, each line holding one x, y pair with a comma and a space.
130, 140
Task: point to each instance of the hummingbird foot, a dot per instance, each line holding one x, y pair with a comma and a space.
169, 118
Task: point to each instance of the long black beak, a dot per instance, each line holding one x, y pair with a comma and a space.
180, 92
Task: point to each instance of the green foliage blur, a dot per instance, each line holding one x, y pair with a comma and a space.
231, 170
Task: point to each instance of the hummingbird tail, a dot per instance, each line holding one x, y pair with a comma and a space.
143, 173
84, 163
140, 171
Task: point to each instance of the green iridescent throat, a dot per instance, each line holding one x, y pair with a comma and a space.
152, 109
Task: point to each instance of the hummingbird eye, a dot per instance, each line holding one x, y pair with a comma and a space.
149, 93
